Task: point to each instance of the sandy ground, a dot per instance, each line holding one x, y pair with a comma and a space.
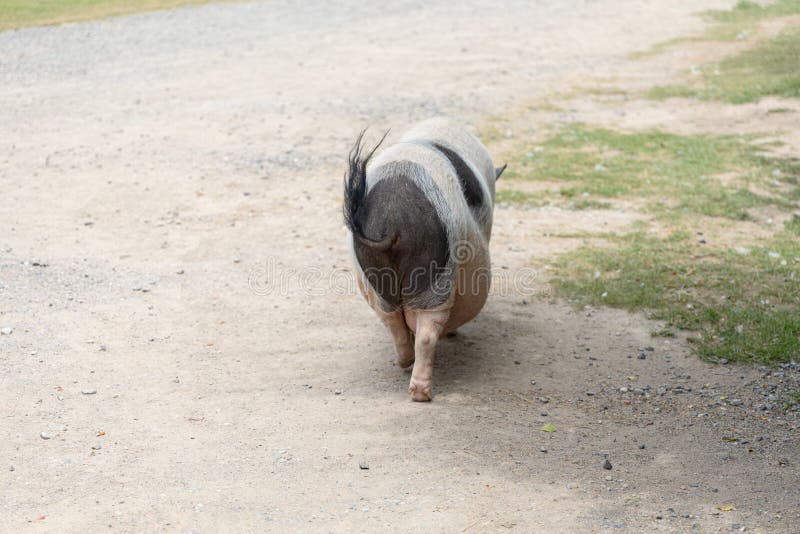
185, 334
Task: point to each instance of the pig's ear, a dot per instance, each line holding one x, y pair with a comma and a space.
355, 181
498, 171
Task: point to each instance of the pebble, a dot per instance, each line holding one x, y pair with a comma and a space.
97, 447
642, 446
641, 355
363, 465
60, 397
657, 409
544, 400
6, 330
607, 465
11, 468
88, 391
44, 435
542, 449
337, 392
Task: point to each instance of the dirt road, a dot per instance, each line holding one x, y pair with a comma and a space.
175, 357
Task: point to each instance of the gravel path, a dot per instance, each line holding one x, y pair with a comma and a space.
171, 355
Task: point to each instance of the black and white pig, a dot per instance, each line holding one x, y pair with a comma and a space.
420, 218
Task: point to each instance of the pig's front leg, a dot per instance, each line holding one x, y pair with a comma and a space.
403, 338
430, 327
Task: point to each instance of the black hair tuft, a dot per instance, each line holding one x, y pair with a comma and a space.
355, 181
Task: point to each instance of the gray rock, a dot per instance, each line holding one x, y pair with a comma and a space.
6, 330
97, 447
45, 435
607, 465
88, 391
363, 465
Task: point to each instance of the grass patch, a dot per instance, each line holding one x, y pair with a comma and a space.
512, 197
21, 13
742, 307
729, 25
744, 16
770, 69
653, 165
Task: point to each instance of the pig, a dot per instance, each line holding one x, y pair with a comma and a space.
419, 220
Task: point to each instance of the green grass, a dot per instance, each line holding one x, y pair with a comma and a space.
729, 25
512, 197
21, 13
770, 69
741, 305
738, 306
653, 165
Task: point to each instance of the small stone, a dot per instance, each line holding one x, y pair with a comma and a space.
607, 465
641, 355
6, 330
659, 516
337, 392
363, 465
657, 409
180, 271
723, 361
88, 391
542, 449
623, 390
97, 447
544, 400
45, 435
11, 468
642, 446
60, 397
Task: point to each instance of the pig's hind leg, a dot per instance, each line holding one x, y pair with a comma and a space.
395, 323
430, 327
403, 338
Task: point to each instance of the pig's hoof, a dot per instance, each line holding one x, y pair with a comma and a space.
420, 391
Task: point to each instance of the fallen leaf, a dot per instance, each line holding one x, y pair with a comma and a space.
41, 518
726, 508
548, 427
101, 433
